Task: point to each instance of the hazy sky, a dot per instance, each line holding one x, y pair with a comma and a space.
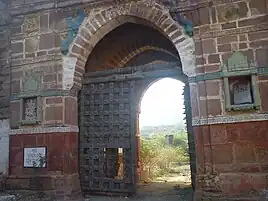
162, 103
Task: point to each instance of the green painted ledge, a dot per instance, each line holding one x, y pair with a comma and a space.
219, 75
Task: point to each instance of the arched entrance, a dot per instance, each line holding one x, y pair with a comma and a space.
119, 69
159, 123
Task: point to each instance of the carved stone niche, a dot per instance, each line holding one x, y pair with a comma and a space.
241, 91
30, 110
30, 101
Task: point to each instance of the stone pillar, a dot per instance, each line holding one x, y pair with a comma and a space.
43, 108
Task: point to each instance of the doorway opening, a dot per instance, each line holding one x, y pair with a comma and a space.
164, 159
119, 69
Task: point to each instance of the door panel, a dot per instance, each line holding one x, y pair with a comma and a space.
107, 128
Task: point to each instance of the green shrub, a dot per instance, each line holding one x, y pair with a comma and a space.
157, 157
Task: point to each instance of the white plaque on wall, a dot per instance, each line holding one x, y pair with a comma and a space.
242, 93
35, 157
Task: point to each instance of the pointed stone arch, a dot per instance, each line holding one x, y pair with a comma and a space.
100, 22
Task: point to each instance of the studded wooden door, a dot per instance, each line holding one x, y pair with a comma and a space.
107, 137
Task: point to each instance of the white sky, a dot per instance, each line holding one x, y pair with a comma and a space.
162, 103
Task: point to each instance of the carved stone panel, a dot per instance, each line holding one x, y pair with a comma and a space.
32, 23
30, 109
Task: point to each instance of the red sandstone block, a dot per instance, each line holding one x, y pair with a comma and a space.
202, 89
53, 100
206, 135
259, 44
212, 68
70, 108
223, 168
264, 168
263, 86
199, 69
54, 113
260, 5
213, 88
15, 141
16, 156
260, 35
42, 139
208, 154
203, 108
200, 159
247, 168
224, 48
214, 107
227, 39
231, 25
209, 46
57, 149
261, 57
223, 154
262, 153
241, 184
28, 140
198, 135
244, 153
253, 132
233, 134
200, 61
218, 134
253, 21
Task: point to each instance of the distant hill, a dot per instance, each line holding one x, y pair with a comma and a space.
148, 131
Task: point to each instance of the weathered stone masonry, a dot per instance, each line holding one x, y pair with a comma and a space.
4, 85
231, 146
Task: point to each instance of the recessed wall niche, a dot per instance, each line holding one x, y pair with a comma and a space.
30, 113
30, 100
241, 92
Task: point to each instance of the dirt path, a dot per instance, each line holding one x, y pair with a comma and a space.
156, 191
172, 187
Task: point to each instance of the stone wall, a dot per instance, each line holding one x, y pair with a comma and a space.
4, 146
4, 60
42, 110
4, 86
50, 45
230, 145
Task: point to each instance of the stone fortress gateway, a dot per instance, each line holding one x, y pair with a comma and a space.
72, 74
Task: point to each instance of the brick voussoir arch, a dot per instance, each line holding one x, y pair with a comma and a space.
99, 23
127, 58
